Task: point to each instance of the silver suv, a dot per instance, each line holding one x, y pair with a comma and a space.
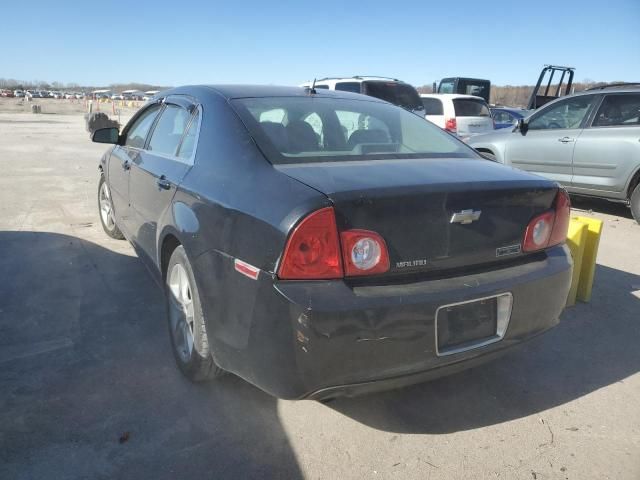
589, 142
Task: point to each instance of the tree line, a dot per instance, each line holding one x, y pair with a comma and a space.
13, 84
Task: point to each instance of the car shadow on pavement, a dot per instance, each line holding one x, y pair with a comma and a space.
595, 345
601, 206
88, 385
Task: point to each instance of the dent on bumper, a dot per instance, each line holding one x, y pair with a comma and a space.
353, 340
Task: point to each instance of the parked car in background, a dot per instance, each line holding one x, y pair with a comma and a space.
149, 94
117, 96
6, 93
477, 87
69, 95
18, 93
390, 90
368, 250
56, 94
507, 117
462, 115
588, 142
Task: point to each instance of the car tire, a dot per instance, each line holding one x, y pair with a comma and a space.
634, 203
105, 210
187, 328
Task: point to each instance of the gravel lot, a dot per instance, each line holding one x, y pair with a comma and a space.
88, 386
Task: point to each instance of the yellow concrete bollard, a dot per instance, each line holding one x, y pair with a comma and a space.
587, 273
576, 239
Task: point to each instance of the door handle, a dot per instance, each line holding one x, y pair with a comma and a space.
565, 139
126, 165
164, 183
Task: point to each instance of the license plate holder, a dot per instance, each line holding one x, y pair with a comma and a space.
472, 324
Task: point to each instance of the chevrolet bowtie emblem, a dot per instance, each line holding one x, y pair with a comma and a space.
465, 216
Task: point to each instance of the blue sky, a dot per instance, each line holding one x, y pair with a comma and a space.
173, 43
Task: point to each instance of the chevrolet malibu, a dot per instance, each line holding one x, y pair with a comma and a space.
323, 243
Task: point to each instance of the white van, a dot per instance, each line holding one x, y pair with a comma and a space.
463, 115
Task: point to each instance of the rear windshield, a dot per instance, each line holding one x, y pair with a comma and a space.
465, 86
321, 129
469, 107
400, 94
478, 88
432, 106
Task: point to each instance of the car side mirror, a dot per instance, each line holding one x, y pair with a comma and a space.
106, 135
523, 126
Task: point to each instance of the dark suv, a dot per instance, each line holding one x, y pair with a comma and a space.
390, 90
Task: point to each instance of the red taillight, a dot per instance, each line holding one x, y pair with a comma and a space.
313, 249
450, 125
364, 253
549, 228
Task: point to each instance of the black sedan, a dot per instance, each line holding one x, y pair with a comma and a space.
322, 243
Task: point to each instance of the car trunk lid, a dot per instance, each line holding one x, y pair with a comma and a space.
434, 214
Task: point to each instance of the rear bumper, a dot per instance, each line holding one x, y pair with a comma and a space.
324, 338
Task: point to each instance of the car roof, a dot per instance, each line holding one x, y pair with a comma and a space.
358, 78
450, 96
258, 91
605, 90
508, 109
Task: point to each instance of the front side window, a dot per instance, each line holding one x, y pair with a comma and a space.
137, 134
325, 129
169, 130
568, 113
618, 110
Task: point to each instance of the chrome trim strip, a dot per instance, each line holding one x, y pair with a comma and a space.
504, 308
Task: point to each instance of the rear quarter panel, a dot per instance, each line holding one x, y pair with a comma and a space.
234, 205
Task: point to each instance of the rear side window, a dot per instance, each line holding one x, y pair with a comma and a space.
188, 144
399, 94
137, 134
618, 110
432, 106
348, 87
169, 130
469, 107
471, 87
